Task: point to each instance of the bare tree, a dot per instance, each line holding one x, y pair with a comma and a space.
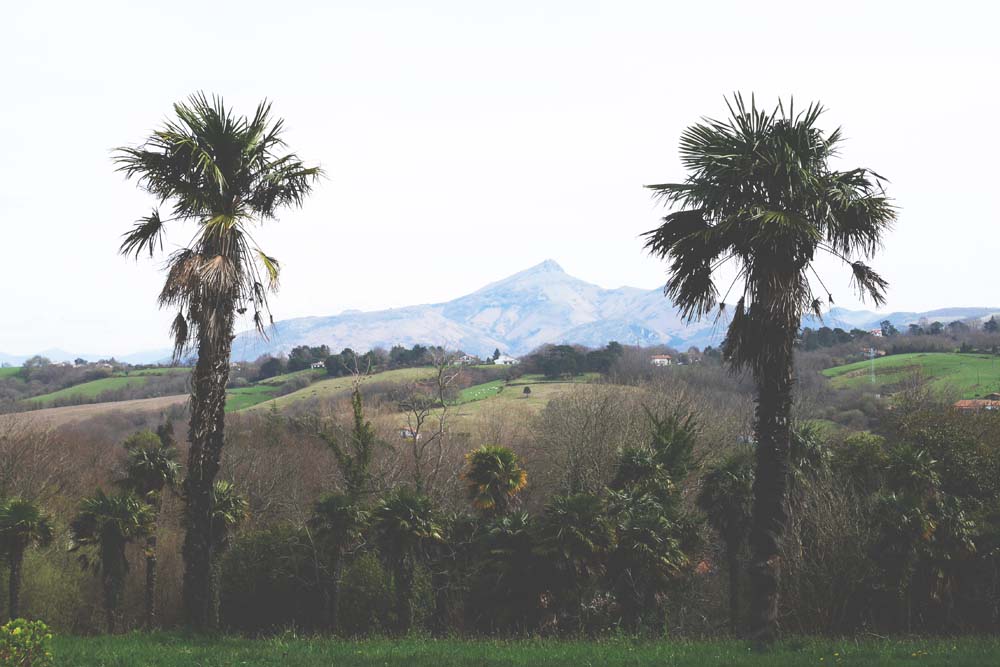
427, 412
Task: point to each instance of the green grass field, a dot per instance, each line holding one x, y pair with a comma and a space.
311, 373
969, 375
158, 371
333, 386
479, 392
86, 391
90, 390
8, 371
247, 397
166, 650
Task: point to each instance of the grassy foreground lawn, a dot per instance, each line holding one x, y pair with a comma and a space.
165, 650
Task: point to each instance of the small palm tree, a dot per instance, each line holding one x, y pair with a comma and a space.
150, 468
647, 556
225, 173
22, 524
726, 497
761, 196
574, 537
229, 510
404, 523
493, 478
339, 524
105, 525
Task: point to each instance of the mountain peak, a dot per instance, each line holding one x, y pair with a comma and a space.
548, 266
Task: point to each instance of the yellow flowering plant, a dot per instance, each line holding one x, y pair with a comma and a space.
25, 644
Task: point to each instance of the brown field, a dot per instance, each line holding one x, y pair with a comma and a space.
75, 413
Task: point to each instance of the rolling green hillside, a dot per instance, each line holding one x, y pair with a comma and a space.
90, 390
970, 375
246, 397
333, 386
309, 373
9, 371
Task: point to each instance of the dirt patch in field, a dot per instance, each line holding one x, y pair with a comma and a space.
75, 413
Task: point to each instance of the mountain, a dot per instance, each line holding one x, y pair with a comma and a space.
57, 355
542, 304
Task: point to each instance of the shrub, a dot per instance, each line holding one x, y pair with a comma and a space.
25, 644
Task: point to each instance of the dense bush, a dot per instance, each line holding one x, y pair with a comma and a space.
25, 644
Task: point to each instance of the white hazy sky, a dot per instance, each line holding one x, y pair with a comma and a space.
465, 141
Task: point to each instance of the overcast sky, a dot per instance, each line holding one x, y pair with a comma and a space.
465, 141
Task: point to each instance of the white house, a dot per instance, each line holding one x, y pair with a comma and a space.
317, 364
661, 360
506, 360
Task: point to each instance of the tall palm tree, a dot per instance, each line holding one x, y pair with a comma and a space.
22, 524
726, 497
225, 173
339, 523
762, 198
105, 525
574, 538
229, 509
404, 524
493, 478
150, 468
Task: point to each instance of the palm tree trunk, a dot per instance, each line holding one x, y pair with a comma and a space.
151, 582
733, 560
439, 583
334, 594
206, 437
404, 589
16, 564
770, 489
215, 585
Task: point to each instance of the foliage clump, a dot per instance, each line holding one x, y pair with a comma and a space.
25, 643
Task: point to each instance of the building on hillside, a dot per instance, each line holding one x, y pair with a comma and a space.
995, 396
506, 360
976, 405
661, 360
317, 364
875, 332
467, 360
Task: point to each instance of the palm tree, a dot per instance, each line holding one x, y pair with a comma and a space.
339, 523
150, 468
574, 539
229, 509
22, 524
106, 525
493, 478
404, 524
224, 173
648, 555
726, 497
760, 196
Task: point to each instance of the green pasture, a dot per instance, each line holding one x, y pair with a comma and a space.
246, 397
968, 375
168, 650
90, 390
334, 386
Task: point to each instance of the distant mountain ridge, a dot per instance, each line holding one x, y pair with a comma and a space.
542, 304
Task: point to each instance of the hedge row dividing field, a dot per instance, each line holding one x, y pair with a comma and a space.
166, 650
